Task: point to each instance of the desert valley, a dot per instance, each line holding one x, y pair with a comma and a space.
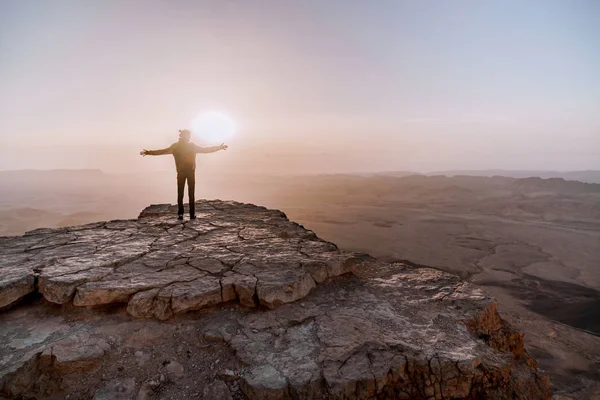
531, 243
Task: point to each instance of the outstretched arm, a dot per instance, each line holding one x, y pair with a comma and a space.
199, 149
168, 150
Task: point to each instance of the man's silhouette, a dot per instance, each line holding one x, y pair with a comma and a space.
184, 153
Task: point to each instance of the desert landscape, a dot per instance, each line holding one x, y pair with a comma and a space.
532, 243
299, 200
242, 304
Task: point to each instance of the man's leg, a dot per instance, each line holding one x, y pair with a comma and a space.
180, 187
191, 179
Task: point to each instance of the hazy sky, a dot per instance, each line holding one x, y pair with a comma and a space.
332, 86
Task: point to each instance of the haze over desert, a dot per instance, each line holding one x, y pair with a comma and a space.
249, 200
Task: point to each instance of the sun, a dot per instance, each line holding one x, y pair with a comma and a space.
213, 127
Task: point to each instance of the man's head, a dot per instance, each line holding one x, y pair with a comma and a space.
184, 135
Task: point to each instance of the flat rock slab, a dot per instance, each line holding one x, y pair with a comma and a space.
160, 266
388, 332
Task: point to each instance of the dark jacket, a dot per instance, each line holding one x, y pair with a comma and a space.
184, 154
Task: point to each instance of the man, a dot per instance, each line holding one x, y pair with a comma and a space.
184, 153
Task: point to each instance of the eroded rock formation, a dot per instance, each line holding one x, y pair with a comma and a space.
161, 267
296, 325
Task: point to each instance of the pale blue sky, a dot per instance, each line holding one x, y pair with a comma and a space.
424, 84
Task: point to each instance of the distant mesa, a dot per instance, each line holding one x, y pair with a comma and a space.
51, 171
556, 185
54, 174
589, 176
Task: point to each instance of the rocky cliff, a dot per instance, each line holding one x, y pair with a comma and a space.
241, 303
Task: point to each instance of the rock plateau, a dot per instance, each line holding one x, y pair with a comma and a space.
241, 304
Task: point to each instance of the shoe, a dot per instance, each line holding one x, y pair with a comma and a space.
180, 217
192, 217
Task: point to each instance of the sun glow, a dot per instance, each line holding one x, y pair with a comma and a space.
213, 127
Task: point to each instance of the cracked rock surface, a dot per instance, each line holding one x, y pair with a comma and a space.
392, 332
294, 326
161, 267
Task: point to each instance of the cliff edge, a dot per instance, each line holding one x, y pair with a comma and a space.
241, 304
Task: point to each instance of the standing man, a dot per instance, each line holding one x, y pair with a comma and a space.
184, 153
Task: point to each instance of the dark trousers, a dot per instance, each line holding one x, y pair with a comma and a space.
190, 177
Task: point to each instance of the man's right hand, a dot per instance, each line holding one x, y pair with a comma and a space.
144, 153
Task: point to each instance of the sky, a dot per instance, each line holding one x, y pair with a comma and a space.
312, 86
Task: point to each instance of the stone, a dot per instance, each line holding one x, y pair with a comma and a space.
280, 287
142, 304
61, 289
217, 390
264, 382
74, 354
227, 288
227, 375
148, 390
174, 370
14, 285
243, 286
213, 335
195, 295
121, 290
317, 269
118, 389
221, 331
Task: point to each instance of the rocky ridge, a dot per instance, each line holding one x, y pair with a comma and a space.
254, 306
161, 267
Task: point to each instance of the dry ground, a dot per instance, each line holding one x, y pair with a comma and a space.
534, 244
546, 276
